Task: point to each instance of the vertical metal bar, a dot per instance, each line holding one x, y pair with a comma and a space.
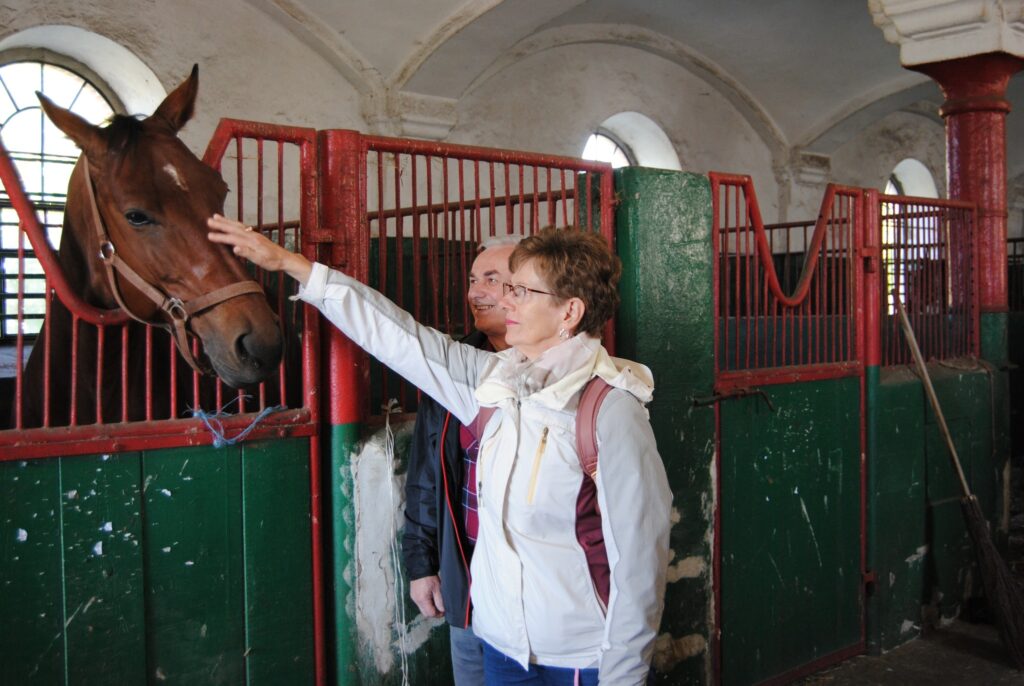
509, 208
416, 214
173, 366
286, 322
73, 410
716, 249
47, 348
100, 350
746, 299
124, 372
565, 199
522, 203
463, 238
446, 246
552, 205
735, 300
260, 276
590, 201
19, 347
172, 390
535, 206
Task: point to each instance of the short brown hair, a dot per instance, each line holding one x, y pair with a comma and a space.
576, 264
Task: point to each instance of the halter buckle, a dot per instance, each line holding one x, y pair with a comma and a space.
176, 308
107, 251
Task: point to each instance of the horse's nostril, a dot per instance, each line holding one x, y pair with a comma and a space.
259, 352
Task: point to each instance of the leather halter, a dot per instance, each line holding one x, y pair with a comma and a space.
178, 311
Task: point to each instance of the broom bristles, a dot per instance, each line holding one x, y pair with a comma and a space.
1004, 593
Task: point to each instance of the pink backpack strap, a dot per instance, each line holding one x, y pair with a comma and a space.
586, 423
476, 427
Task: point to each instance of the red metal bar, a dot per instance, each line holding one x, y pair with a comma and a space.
871, 305
29, 224
47, 442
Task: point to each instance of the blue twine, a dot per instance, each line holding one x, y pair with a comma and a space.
213, 423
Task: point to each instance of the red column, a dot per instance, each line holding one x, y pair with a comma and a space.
975, 113
342, 181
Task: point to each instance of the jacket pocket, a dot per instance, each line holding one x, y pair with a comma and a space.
536, 465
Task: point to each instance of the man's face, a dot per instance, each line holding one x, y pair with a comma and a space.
489, 272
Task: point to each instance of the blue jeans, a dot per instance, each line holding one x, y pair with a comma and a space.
501, 670
467, 657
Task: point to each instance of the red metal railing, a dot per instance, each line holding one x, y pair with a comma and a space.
788, 297
422, 209
153, 363
928, 258
1015, 266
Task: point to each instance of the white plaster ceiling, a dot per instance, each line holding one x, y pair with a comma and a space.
806, 73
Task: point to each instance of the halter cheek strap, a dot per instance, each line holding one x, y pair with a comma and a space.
179, 312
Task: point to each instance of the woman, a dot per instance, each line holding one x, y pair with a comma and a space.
540, 613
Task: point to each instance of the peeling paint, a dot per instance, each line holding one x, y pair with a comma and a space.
687, 568
669, 651
917, 556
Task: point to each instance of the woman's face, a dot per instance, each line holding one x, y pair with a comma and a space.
532, 321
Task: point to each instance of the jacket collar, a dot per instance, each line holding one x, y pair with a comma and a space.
555, 378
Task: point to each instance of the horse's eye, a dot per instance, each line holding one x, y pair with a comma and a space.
138, 218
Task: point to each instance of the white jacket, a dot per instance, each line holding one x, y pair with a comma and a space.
533, 596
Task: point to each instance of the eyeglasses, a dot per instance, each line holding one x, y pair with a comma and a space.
519, 291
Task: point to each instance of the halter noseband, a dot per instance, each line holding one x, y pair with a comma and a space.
178, 310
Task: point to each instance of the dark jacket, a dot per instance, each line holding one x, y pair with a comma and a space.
434, 541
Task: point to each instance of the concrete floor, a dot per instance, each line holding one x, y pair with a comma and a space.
960, 654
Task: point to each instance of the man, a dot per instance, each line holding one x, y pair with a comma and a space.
440, 509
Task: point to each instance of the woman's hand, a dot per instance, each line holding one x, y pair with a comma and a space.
257, 248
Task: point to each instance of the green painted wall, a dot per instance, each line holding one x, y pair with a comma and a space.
177, 566
921, 553
663, 226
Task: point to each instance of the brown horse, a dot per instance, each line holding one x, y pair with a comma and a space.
135, 237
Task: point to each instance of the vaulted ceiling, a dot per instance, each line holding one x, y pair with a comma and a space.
805, 73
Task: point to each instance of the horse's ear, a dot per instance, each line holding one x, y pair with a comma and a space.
177, 107
87, 137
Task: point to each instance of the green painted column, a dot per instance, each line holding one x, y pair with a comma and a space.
341, 580
663, 225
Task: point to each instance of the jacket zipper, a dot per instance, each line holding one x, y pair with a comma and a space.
536, 466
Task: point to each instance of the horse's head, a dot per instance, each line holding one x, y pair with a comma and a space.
153, 198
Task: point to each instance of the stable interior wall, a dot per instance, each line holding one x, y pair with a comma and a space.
552, 100
868, 158
919, 550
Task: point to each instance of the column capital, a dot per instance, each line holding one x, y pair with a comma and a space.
930, 31
973, 84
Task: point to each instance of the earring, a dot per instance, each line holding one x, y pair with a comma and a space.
563, 334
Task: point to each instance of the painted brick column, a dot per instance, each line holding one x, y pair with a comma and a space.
666, 319
975, 113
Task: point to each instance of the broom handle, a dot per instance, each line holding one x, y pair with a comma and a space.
930, 391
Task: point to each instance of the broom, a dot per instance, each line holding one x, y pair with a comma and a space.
1004, 593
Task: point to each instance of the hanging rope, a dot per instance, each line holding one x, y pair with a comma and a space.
216, 427
390, 408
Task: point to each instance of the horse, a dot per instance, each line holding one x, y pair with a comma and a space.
134, 238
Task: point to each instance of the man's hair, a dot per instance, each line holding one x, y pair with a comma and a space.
575, 263
488, 242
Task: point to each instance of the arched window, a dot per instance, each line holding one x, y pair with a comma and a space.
44, 157
911, 177
914, 247
631, 138
603, 147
